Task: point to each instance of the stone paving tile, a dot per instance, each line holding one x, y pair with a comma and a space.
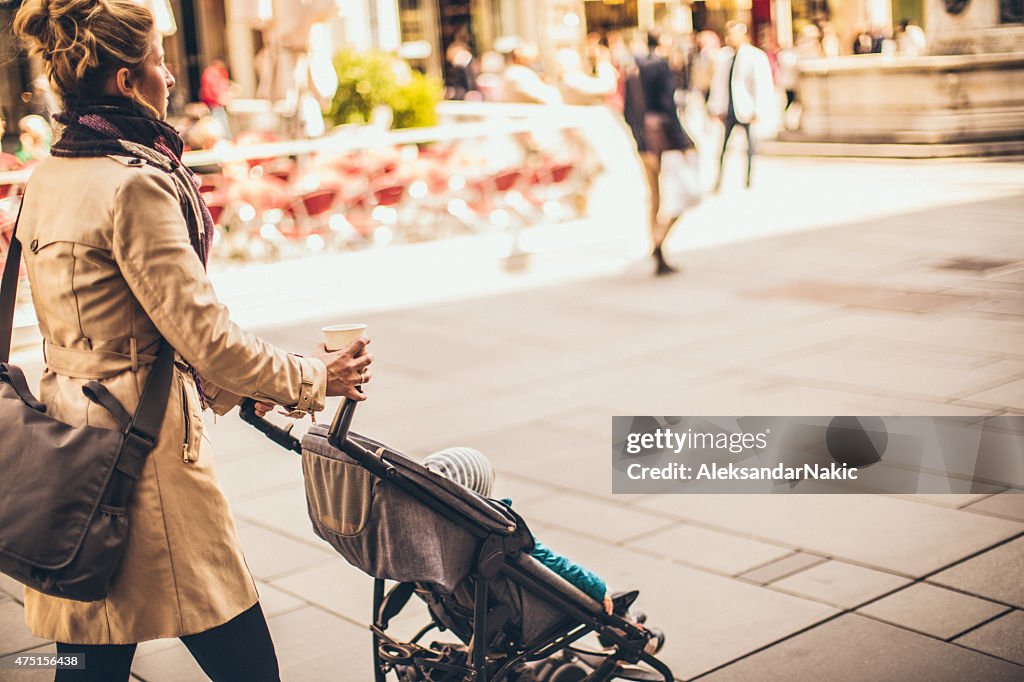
703, 548
336, 586
537, 449
949, 500
24, 675
1005, 338
787, 565
344, 590
14, 635
235, 441
274, 602
933, 610
153, 646
170, 663
708, 619
521, 489
1003, 637
996, 574
839, 584
854, 649
1008, 504
12, 588
800, 400
917, 538
1009, 394
599, 519
880, 372
265, 467
283, 511
313, 645
270, 554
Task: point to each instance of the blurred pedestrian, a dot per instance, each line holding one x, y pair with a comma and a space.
623, 58
829, 41
33, 138
703, 68
580, 87
522, 83
43, 102
788, 60
490, 83
862, 42
215, 92
910, 39
742, 91
808, 43
8, 162
650, 111
460, 73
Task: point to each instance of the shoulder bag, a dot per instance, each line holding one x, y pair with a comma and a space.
64, 490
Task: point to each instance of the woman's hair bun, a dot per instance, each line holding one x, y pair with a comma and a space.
81, 42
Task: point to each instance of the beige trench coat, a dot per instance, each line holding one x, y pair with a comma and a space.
112, 271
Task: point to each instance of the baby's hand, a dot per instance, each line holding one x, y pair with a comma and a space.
607, 601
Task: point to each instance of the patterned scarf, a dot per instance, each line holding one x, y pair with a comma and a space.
119, 126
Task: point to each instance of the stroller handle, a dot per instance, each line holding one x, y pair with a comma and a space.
338, 433
337, 436
283, 437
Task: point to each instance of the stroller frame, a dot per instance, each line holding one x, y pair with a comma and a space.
496, 556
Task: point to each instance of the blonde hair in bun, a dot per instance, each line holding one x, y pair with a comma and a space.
84, 42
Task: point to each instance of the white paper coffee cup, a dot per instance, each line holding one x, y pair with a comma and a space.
337, 336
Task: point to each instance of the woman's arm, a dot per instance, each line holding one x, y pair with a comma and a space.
152, 248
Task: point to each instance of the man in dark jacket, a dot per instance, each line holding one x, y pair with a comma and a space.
650, 112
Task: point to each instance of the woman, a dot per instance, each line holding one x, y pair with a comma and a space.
117, 240
650, 111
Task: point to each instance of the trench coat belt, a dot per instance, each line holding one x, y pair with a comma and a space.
92, 364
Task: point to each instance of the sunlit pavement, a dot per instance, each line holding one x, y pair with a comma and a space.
830, 287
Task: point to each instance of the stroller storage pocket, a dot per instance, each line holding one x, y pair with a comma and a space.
339, 493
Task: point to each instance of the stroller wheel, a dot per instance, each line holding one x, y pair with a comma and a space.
656, 641
569, 672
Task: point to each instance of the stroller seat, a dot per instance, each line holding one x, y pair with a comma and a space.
468, 559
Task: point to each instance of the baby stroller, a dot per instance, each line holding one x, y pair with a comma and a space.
468, 559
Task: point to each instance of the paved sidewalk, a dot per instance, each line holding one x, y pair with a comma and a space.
919, 312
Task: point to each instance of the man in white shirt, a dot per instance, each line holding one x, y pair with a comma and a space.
741, 90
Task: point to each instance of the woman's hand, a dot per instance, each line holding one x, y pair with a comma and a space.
347, 368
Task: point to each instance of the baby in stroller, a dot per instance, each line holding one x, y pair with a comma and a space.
474, 563
472, 469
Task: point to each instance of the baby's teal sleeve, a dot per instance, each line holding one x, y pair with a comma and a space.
588, 582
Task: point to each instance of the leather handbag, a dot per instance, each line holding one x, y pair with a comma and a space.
64, 490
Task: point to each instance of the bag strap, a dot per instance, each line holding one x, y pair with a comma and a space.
16, 378
9, 289
141, 435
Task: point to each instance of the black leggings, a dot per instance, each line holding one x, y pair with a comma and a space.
240, 649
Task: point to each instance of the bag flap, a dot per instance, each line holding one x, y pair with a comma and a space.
53, 476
